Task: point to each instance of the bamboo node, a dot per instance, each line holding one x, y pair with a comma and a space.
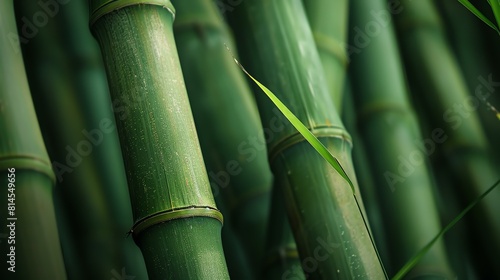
172, 214
99, 8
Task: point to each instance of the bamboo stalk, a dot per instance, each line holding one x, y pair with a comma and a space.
177, 224
278, 49
330, 36
71, 143
22, 153
467, 38
429, 63
282, 257
386, 118
226, 118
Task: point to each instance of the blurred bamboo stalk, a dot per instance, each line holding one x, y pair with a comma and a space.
70, 142
282, 257
435, 78
25, 164
467, 38
387, 119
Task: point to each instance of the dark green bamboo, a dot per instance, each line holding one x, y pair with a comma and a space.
394, 145
435, 78
281, 260
466, 36
36, 248
71, 142
330, 35
238, 263
227, 119
177, 224
89, 80
277, 47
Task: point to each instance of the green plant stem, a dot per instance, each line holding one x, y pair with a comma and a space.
177, 224
37, 248
435, 78
319, 202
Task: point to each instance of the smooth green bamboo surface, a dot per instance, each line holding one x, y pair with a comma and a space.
37, 249
387, 120
278, 48
226, 119
435, 76
330, 35
177, 224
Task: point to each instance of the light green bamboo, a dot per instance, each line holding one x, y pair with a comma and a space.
177, 224
277, 47
435, 77
330, 35
227, 120
36, 248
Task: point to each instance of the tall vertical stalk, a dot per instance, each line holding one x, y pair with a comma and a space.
71, 142
436, 79
177, 224
24, 160
386, 118
278, 48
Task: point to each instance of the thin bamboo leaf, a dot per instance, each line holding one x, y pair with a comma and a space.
304, 131
495, 7
415, 259
320, 205
478, 14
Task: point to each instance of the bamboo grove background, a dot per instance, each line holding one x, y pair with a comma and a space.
142, 151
